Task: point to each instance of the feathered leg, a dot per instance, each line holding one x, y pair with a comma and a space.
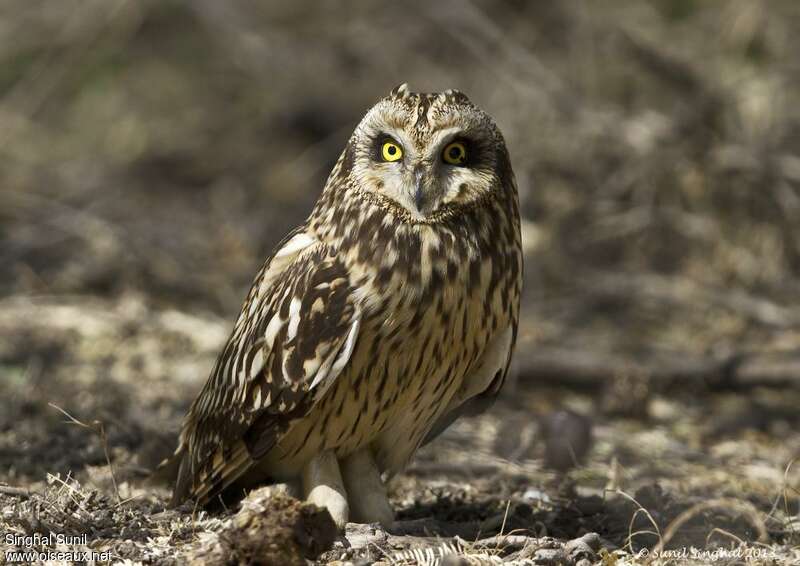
365, 489
323, 486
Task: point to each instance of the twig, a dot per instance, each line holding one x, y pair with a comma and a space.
71, 491
76, 524
505, 517
97, 427
640, 509
783, 495
515, 542
725, 533
23, 492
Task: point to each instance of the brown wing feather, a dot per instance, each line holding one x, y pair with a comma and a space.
298, 322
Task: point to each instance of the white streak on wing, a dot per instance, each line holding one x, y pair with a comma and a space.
257, 365
227, 368
320, 377
294, 323
349, 345
287, 353
282, 258
295, 245
312, 366
234, 368
237, 378
294, 318
254, 304
258, 362
333, 366
271, 331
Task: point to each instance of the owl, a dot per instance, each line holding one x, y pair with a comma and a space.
372, 326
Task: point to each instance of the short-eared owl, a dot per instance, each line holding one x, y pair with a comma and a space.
391, 311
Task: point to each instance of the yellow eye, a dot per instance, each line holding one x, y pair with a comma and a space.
390, 151
455, 153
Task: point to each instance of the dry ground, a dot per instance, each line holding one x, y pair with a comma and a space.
152, 152
126, 372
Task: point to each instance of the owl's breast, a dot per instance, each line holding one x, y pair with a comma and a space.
431, 300
427, 328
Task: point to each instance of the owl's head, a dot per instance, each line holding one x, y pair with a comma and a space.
427, 153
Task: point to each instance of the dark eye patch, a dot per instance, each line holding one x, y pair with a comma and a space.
474, 151
481, 151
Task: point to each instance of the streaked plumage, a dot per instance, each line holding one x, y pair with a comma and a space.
389, 312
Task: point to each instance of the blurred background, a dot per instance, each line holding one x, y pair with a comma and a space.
163, 148
153, 152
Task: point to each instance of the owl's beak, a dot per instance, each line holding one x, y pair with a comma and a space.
419, 188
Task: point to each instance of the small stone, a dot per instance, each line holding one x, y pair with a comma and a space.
550, 557
583, 548
362, 535
567, 437
533, 495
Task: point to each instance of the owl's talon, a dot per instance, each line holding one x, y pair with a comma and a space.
323, 486
367, 494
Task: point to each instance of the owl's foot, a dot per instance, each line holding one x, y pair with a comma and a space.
323, 486
366, 492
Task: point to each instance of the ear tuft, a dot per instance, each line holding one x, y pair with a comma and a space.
400, 91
